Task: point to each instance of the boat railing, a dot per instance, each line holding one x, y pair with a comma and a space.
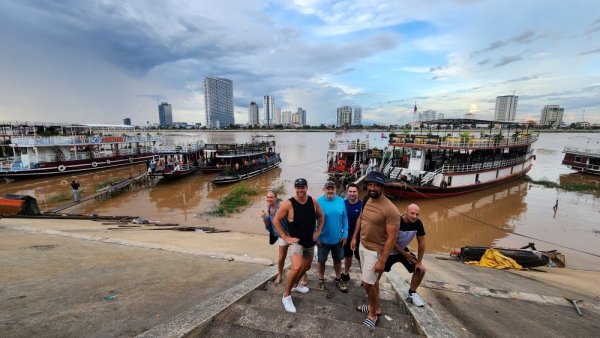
468, 167
80, 139
471, 142
179, 148
582, 151
346, 145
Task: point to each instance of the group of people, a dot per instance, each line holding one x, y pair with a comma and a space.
372, 230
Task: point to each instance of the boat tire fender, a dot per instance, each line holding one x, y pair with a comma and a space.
107, 161
130, 160
94, 164
61, 168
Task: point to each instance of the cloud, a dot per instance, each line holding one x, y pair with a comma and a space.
593, 51
521, 38
506, 60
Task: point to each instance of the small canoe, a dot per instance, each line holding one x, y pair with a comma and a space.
526, 258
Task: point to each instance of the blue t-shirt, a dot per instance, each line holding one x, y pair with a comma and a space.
353, 211
336, 221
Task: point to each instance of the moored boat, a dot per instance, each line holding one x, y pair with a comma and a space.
583, 155
525, 258
178, 161
456, 156
88, 147
348, 155
244, 161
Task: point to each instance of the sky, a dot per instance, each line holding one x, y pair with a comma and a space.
99, 61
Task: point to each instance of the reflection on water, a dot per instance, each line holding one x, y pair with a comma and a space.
450, 222
579, 178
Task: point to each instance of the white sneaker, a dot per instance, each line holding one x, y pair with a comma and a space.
288, 304
301, 289
416, 299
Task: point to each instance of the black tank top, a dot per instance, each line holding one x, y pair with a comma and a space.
305, 222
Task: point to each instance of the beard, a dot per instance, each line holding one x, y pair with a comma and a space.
374, 193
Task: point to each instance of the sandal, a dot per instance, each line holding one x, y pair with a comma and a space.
364, 308
321, 284
370, 323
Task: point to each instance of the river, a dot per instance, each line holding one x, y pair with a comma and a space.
502, 216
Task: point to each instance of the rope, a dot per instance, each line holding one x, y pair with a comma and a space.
502, 229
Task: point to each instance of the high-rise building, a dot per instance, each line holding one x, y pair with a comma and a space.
427, 115
344, 116
278, 116
269, 110
286, 117
127, 121
253, 117
357, 118
301, 116
165, 114
506, 108
552, 115
218, 100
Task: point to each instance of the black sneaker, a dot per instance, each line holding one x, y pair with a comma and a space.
345, 277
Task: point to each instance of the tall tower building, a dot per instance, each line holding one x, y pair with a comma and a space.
357, 117
552, 115
218, 100
286, 117
301, 116
506, 108
165, 114
269, 109
344, 116
253, 118
278, 116
127, 121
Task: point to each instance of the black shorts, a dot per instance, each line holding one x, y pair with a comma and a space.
393, 259
348, 251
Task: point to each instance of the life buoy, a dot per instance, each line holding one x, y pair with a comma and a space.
107, 161
94, 164
130, 160
61, 168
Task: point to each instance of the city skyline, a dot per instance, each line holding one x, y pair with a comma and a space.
73, 61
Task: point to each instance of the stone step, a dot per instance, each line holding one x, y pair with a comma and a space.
356, 295
385, 288
323, 308
299, 324
226, 329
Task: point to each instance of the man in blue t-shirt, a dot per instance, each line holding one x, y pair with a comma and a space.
410, 226
353, 209
334, 235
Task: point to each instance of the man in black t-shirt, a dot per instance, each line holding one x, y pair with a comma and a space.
410, 227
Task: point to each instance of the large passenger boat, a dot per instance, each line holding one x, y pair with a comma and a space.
456, 156
348, 155
242, 161
75, 148
583, 155
178, 161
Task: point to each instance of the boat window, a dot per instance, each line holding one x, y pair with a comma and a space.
417, 153
578, 159
450, 181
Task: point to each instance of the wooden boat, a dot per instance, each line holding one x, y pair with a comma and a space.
441, 160
244, 161
178, 161
583, 155
76, 148
348, 155
526, 258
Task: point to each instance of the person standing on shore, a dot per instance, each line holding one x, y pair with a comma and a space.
267, 217
334, 235
353, 209
75, 189
305, 222
410, 226
379, 223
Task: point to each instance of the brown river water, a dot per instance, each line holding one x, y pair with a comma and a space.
498, 216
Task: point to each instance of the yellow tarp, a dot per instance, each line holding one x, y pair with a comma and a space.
492, 258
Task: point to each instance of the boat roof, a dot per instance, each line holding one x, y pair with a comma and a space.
476, 121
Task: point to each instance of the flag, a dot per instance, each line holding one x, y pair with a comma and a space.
415, 111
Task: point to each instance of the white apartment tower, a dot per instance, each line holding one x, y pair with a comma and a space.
286, 117
357, 118
301, 116
218, 101
253, 117
344, 116
506, 108
552, 115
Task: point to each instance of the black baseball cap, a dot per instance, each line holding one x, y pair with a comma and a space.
375, 177
329, 184
300, 182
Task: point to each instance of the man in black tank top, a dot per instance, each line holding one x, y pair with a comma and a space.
305, 222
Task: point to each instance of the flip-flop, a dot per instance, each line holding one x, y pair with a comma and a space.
364, 308
370, 323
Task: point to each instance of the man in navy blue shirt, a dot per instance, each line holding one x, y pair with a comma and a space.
353, 209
